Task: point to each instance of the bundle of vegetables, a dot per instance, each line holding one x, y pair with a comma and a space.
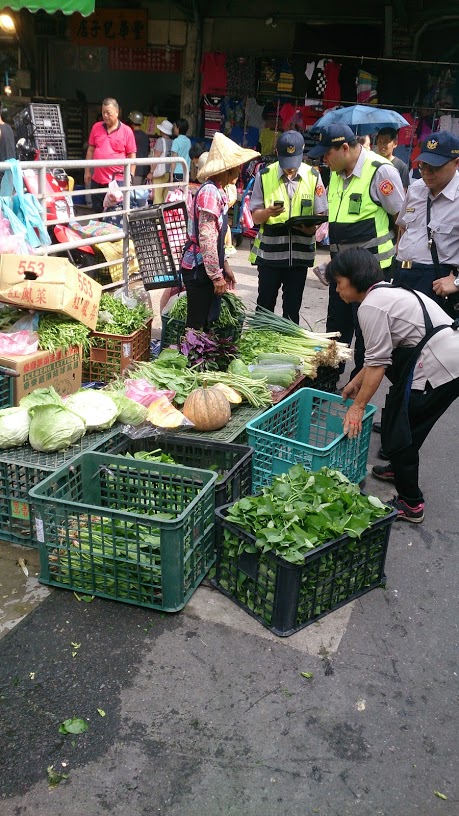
302, 510
254, 391
55, 331
207, 351
117, 318
231, 316
167, 372
60, 332
314, 348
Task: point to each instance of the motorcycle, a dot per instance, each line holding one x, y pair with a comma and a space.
59, 206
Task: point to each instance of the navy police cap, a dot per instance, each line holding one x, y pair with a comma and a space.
439, 148
331, 136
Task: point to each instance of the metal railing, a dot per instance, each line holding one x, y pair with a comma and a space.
118, 233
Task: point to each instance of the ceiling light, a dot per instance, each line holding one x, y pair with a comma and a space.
7, 23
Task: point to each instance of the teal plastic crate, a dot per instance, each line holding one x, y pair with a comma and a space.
307, 427
22, 468
128, 530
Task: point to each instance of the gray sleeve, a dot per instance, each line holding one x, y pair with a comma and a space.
375, 327
257, 201
387, 188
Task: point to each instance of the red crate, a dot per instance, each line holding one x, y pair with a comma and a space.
112, 354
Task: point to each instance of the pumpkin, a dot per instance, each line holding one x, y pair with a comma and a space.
207, 408
231, 395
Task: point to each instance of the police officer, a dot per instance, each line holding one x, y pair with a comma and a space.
364, 194
428, 250
281, 191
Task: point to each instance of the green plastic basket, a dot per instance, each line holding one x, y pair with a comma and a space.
307, 427
98, 535
23, 468
6, 391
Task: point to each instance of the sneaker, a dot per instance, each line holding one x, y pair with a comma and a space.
384, 473
406, 513
319, 272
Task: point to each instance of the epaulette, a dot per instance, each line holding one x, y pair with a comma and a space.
265, 170
315, 172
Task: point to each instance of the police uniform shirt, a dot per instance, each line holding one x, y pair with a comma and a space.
391, 318
257, 201
444, 223
386, 184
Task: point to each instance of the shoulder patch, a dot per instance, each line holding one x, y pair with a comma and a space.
386, 187
320, 190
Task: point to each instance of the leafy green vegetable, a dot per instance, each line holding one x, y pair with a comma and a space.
440, 795
130, 412
74, 725
41, 396
60, 332
14, 427
53, 428
96, 408
302, 510
231, 315
307, 675
54, 777
116, 318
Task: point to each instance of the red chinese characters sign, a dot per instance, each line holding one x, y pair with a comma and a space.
144, 59
111, 27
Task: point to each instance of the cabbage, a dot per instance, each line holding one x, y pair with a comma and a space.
54, 428
96, 408
130, 412
14, 427
41, 396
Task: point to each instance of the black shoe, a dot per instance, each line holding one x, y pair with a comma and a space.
376, 427
382, 455
384, 473
407, 513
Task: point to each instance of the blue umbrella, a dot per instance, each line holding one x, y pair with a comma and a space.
363, 119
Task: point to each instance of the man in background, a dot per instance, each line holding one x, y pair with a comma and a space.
109, 139
142, 141
7, 140
386, 142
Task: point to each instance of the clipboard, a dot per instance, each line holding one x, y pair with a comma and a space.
307, 220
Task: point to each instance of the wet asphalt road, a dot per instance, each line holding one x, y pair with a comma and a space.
202, 718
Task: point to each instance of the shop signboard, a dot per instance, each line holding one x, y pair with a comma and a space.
163, 60
111, 27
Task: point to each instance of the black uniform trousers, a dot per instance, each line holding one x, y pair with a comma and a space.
421, 278
424, 409
291, 278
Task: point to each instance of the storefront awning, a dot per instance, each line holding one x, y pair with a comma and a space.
84, 7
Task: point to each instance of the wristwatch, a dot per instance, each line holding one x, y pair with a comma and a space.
456, 281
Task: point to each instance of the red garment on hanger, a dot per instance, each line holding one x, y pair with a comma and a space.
213, 70
405, 133
332, 93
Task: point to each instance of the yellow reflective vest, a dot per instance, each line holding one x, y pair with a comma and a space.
275, 244
355, 219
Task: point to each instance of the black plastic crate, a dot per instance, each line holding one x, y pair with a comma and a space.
287, 597
159, 235
22, 468
326, 380
233, 463
42, 125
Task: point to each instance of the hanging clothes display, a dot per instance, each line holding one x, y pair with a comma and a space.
213, 111
332, 93
367, 88
242, 76
213, 70
254, 113
268, 77
285, 79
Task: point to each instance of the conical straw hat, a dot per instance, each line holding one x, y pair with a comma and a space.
223, 155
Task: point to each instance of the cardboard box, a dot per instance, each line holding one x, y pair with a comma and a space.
61, 369
50, 285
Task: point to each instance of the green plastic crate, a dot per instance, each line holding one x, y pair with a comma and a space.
23, 468
97, 534
232, 463
6, 391
307, 427
235, 430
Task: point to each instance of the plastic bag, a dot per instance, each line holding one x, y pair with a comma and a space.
21, 342
25, 206
113, 196
141, 391
322, 234
129, 301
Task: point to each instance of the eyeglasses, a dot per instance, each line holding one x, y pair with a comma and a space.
430, 167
